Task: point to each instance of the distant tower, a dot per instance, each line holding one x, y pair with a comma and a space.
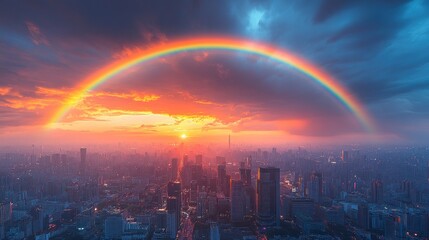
82, 167
174, 168
377, 192
268, 196
315, 186
344, 155
229, 142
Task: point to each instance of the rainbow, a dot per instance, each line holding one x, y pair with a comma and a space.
316, 73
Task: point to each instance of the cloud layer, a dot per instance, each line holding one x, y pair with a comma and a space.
376, 49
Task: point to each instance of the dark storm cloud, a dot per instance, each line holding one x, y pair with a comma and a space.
377, 49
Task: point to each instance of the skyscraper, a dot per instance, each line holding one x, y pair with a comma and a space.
82, 166
315, 186
174, 168
268, 196
377, 191
172, 220
345, 155
237, 201
221, 176
246, 176
174, 190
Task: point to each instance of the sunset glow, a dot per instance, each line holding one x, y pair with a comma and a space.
223, 43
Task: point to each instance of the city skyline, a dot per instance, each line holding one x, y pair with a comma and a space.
285, 72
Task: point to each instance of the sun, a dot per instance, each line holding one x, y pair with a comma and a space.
183, 136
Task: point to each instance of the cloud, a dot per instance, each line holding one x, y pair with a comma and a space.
37, 36
375, 49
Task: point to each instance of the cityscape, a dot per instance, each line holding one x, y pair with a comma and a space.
214, 120
230, 193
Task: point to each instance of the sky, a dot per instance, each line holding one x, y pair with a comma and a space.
377, 50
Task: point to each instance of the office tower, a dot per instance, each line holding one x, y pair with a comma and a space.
174, 168
315, 186
268, 196
82, 167
229, 142
201, 204
226, 186
172, 220
113, 227
160, 219
406, 187
344, 155
249, 162
221, 176
193, 192
377, 191
246, 176
237, 201
212, 205
174, 189
199, 159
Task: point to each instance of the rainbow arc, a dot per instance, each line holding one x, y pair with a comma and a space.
317, 74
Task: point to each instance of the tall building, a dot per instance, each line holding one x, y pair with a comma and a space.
174, 169
221, 176
315, 186
238, 206
172, 220
377, 191
246, 176
82, 166
174, 190
268, 196
345, 155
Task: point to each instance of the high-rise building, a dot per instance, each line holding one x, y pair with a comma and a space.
172, 220
315, 186
226, 188
377, 191
201, 205
237, 201
268, 196
246, 176
82, 166
345, 155
174, 189
174, 169
221, 176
